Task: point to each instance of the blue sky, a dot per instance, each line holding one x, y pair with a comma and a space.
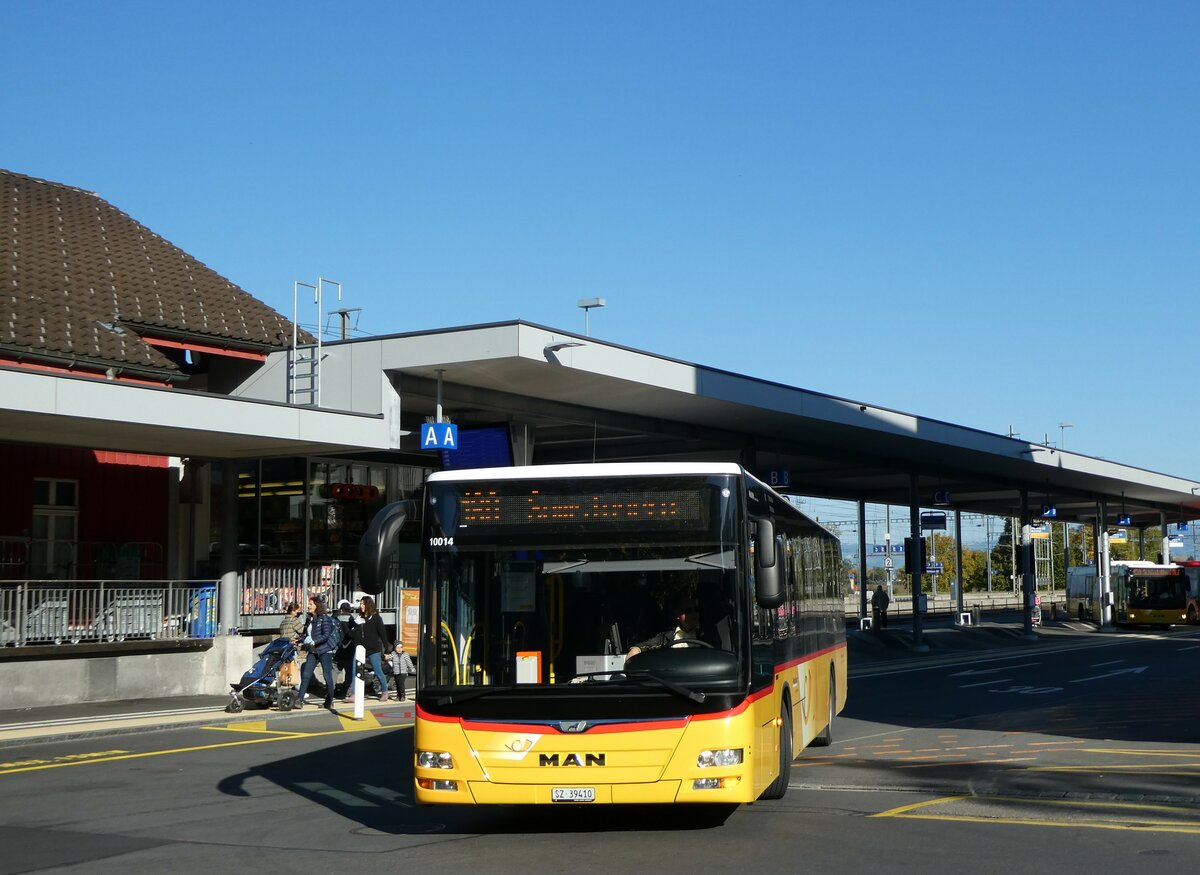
983, 212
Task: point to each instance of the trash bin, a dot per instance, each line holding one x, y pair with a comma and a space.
204, 613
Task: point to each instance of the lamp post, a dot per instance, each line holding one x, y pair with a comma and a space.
587, 305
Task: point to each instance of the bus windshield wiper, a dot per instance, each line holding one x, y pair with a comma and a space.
479, 692
675, 688
620, 675
474, 693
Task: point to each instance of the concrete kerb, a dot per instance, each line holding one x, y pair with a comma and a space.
33, 731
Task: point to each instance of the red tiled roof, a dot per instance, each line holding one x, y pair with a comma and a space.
81, 280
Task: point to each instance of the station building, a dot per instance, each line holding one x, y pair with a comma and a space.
160, 425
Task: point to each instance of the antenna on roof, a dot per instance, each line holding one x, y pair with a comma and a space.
344, 313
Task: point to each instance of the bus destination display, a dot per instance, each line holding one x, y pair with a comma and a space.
671, 508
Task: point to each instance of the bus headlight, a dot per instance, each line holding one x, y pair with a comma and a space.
716, 783
730, 756
429, 784
431, 759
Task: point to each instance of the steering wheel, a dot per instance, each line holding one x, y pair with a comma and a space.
688, 642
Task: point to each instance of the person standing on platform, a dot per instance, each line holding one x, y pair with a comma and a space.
373, 636
321, 639
292, 627
879, 604
343, 659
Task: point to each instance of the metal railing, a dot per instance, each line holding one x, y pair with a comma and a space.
944, 603
90, 611
265, 591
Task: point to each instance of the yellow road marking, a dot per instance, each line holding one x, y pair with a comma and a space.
65, 758
196, 748
257, 729
1137, 821
1140, 768
1064, 741
369, 721
994, 762
1142, 753
905, 809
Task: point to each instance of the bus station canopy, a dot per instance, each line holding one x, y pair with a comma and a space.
564, 397
570, 398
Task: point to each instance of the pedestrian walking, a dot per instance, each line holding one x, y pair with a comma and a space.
373, 636
321, 639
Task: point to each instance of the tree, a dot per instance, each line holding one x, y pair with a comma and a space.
1002, 557
1132, 550
974, 572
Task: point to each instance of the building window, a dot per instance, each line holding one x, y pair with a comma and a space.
55, 529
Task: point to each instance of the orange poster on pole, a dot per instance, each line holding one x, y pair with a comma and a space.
409, 619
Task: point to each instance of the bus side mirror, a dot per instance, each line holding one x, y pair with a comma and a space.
379, 543
768, 584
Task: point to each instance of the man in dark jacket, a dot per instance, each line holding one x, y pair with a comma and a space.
879, 607
343, 659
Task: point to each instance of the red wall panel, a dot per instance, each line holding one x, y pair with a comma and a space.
118, 503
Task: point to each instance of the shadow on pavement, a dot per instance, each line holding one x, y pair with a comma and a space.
369, 780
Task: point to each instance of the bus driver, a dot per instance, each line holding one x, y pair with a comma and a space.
687, 628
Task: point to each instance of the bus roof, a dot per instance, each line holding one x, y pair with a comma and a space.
593, 469
624, 469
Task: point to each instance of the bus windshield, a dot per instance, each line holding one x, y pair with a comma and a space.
1158, 592
550, 583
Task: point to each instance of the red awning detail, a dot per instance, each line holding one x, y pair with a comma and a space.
207, 348
139, 460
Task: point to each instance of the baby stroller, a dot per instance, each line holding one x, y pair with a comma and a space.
260, 686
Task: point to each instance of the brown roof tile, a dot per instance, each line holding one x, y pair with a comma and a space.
82, 279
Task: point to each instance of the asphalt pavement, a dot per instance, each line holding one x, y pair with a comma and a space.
869, 651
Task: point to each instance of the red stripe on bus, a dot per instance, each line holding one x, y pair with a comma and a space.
633, 725
784, 666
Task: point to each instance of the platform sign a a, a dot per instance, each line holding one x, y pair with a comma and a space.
439, 436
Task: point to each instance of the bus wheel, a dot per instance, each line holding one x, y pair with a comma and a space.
826, 737
779, 786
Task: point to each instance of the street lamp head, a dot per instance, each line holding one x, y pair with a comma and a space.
587, 305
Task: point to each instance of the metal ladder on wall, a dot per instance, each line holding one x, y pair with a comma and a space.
304, 359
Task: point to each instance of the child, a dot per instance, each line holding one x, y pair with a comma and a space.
402, 667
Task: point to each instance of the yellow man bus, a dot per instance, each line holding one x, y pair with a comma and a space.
618, 633
1147, 594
